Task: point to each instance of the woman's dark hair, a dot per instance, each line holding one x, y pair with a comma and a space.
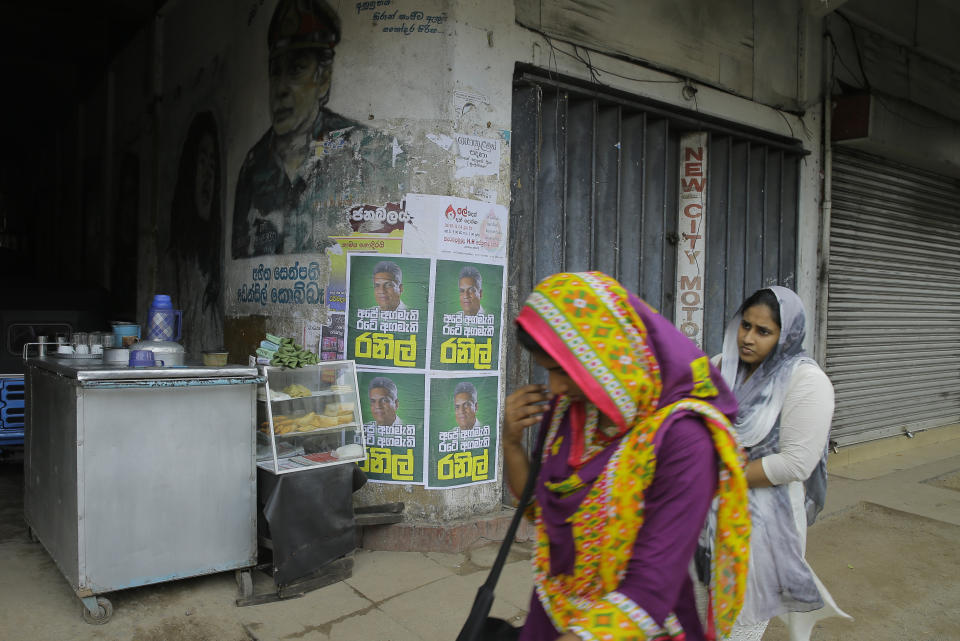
764, 297
191, 235
528, 342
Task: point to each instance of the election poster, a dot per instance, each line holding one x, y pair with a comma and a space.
466, 316
462, 447
388, 300
392, 404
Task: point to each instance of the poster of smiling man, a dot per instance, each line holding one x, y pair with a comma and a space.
466, 317
300, 179
388, 310
392, 405
463, 431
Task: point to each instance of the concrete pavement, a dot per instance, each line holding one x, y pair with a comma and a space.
886, 546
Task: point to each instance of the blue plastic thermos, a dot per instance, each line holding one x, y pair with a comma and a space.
163, 321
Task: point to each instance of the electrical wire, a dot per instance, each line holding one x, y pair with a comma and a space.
593, 69
863, 75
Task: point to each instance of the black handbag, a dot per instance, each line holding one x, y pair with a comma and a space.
480, 626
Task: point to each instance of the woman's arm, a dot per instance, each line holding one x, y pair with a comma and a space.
525, 407
804, 428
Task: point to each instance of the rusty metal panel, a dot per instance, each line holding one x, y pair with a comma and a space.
578, 198
718, 222
606, 180
631, 191
653, 245
595, 181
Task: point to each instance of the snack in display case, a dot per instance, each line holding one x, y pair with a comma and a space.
309, 417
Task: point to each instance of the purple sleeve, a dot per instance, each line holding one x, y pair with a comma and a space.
676, 505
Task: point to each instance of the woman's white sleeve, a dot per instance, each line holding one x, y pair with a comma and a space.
804, 426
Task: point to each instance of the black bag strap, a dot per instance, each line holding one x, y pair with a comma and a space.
534, 471
474, 629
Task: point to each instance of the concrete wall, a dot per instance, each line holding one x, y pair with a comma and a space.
905, 56
454, 76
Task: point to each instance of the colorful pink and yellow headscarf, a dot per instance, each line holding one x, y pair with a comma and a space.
595, 330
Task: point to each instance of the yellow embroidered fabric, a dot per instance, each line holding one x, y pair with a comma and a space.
587, 322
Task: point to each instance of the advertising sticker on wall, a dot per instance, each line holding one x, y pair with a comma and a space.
463, 431
392, 404
388, 310
464, 227
466, 317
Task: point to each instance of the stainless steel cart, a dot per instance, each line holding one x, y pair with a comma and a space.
138, 476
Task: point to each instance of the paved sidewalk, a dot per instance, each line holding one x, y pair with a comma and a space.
886, 546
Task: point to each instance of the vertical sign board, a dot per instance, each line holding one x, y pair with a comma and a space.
691, 251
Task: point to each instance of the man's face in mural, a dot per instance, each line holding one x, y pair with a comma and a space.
465, 409
206, 176
383, 406
299, 85
470, 296
386, 291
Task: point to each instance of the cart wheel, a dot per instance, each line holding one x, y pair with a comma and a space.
102, 615
245, 583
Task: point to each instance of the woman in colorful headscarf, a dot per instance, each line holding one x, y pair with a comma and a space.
786, 405
637, 443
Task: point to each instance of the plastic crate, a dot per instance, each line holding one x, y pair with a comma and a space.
11, 410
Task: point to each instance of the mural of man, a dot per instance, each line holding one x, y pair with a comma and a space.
387, 286
299, 179
465, 406
471, 291
384, 401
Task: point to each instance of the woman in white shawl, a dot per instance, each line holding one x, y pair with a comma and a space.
785, 408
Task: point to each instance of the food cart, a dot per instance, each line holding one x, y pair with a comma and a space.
135, 476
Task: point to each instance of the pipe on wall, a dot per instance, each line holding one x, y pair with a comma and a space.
823, 270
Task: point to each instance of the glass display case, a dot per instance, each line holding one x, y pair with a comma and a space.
309, 417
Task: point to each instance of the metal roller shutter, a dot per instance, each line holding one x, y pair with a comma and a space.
893, 325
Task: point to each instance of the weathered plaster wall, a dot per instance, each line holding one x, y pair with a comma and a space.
905, 56
417, 87
747, 48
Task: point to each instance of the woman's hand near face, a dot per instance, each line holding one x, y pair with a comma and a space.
524, 408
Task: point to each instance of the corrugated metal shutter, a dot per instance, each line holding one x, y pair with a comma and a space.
893, 324
594, 186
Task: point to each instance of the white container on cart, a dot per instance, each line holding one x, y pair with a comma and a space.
139, 476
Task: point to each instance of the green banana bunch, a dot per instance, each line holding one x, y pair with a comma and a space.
291, 354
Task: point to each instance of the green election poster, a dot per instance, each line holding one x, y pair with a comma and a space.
466, 317
388, 306
392, 404
462, 446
